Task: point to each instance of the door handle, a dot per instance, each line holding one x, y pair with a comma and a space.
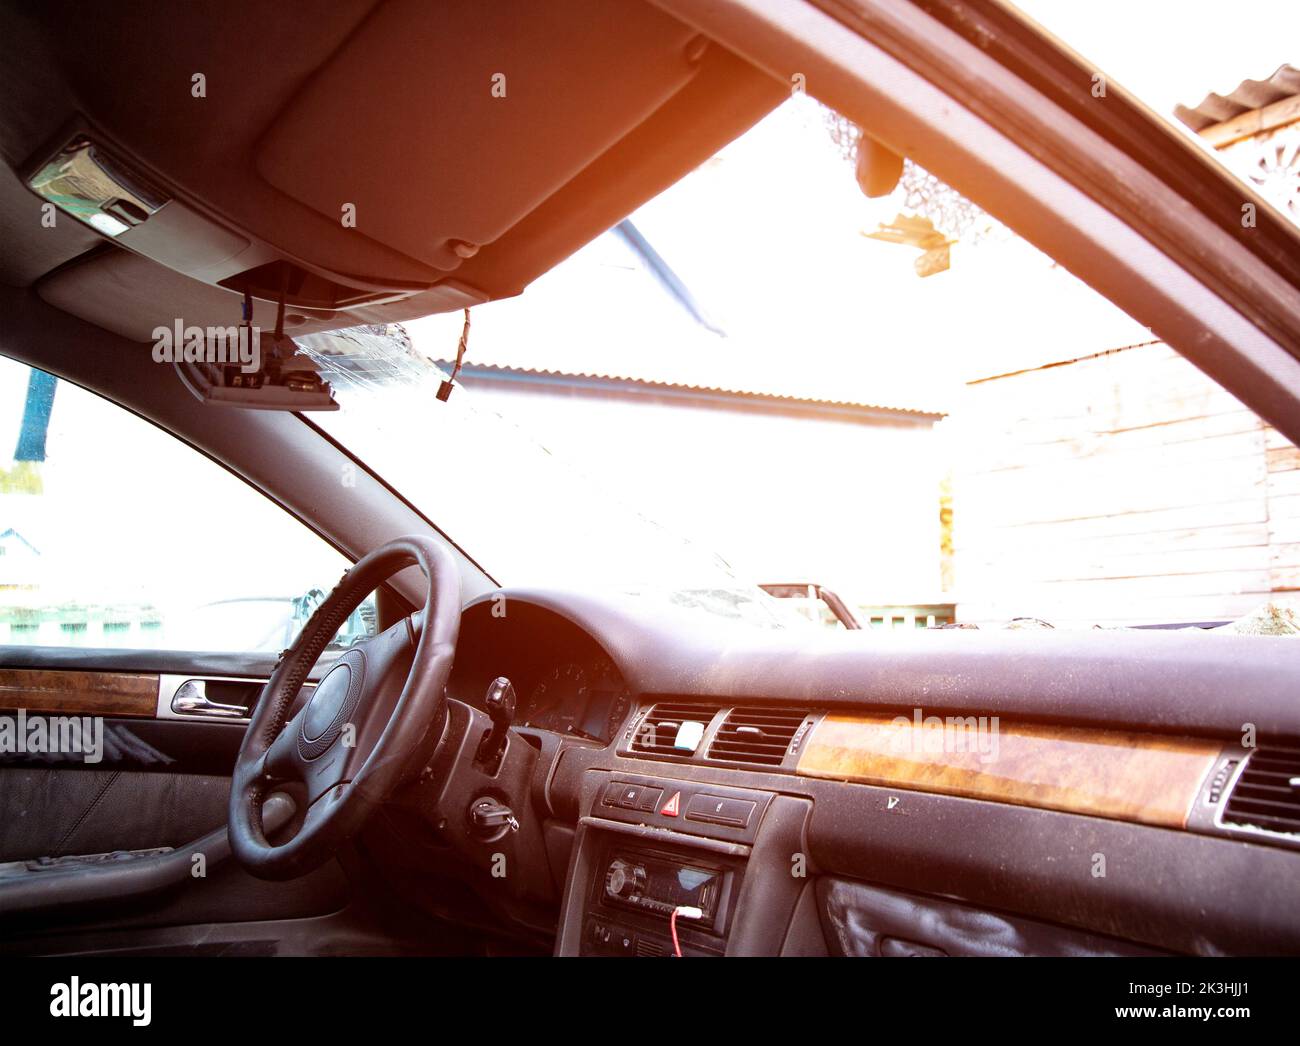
191, 699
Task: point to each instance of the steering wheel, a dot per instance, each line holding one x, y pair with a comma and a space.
378, 713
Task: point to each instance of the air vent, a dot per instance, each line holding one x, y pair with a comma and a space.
759, 736
657, 734
1267, 792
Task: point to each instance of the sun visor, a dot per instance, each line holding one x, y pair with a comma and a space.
437, 127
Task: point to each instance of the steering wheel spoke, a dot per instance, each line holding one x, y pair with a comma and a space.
281, 762
320, 809
333, 768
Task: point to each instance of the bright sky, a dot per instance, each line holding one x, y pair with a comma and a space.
1170, 53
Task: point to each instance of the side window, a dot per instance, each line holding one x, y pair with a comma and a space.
115, 534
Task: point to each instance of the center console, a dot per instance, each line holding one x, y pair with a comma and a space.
648, 847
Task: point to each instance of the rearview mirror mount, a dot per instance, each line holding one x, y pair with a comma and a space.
265, 373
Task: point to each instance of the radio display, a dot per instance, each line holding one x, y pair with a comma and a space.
680, 885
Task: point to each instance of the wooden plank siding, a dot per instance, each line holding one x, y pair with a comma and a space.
1123, 488
1282, 460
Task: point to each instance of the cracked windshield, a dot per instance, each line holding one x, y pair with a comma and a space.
810, 385
815, 372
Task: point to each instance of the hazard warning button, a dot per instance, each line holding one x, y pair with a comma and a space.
673, 807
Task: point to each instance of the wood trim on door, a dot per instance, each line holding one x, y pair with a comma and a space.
85, 693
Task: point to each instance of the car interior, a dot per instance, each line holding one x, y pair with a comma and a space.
481, 767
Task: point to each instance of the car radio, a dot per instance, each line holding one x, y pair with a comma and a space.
657, 884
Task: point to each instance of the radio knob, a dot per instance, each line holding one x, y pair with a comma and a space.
624, 879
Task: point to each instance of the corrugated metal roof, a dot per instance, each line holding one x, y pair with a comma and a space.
601, 316
1248, 95
470, 372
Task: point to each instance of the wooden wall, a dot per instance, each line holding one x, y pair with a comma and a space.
1283, 463
1122, 488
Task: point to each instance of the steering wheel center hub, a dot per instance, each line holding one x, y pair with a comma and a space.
332, 705
326, 703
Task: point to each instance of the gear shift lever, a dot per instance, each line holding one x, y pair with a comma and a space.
499, 703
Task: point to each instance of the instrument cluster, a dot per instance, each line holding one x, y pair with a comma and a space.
563, 679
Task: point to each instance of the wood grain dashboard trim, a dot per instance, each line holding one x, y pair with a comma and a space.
86, 693
1146, 778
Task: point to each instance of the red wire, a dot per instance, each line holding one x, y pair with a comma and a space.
672, 925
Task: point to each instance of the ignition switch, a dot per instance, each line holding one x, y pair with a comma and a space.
490, 819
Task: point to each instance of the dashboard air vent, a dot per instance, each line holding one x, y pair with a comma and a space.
658, 732
1267, 792
756, 735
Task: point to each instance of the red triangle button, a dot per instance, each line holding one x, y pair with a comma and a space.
673, 806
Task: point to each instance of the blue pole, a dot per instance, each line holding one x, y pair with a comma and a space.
36, 416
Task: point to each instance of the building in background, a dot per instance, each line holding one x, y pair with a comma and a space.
834, 492
1113, 482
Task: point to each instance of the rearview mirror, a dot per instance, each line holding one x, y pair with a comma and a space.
878, 168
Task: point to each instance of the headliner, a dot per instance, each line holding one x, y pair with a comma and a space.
385, 106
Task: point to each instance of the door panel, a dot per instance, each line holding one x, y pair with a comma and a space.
144, 776
59, 812
159, 779
128, 631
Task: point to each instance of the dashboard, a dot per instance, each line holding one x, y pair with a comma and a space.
1118, 743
